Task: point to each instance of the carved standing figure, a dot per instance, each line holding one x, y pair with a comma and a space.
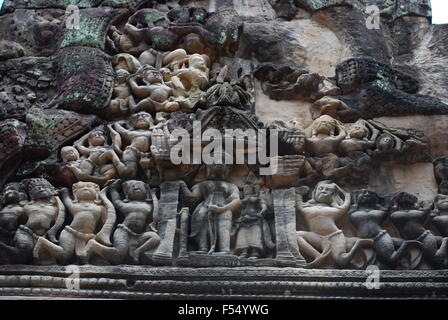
325, 240
45, 214
12, 201
90, 209
409, 217
367, 215
253, 234
136, 235
211, 221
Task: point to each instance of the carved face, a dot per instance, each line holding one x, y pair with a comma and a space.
135, 190
325, 125
385, 142
97, 138
87, 191
141, 120
122, 76
153, 76
358, 131
367, 197
40, 189
12, 194
69, 154
324, 192
406, 200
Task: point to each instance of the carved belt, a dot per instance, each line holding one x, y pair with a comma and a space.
331, 235
379, 235
29, 231
80, 235
423, 235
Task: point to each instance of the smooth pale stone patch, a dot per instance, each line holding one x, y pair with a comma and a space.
268, 110
417, 179
317, 45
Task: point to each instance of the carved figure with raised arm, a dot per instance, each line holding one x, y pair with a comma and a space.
137, 233
367, 215
93, 218
409, 216
325, 240
44, 214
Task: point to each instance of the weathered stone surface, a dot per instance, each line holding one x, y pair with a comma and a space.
85, 79
349, 168
37, 31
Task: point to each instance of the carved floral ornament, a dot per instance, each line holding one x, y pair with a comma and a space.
87, 166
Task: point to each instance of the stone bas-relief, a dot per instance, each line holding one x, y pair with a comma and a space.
89, 123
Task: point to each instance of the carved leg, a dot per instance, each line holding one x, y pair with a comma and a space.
150, 241
24, 244
403, 249
62, 253
224, 225
435, 249
115, 254
339, 246
309, 243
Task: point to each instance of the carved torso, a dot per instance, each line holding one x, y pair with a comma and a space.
137, 214
41, 214
367, 221
86, 216
321, 218
409, 223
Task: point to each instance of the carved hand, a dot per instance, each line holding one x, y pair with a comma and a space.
113, 183
215, 209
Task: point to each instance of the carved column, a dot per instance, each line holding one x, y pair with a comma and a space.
168, 211
285, 228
